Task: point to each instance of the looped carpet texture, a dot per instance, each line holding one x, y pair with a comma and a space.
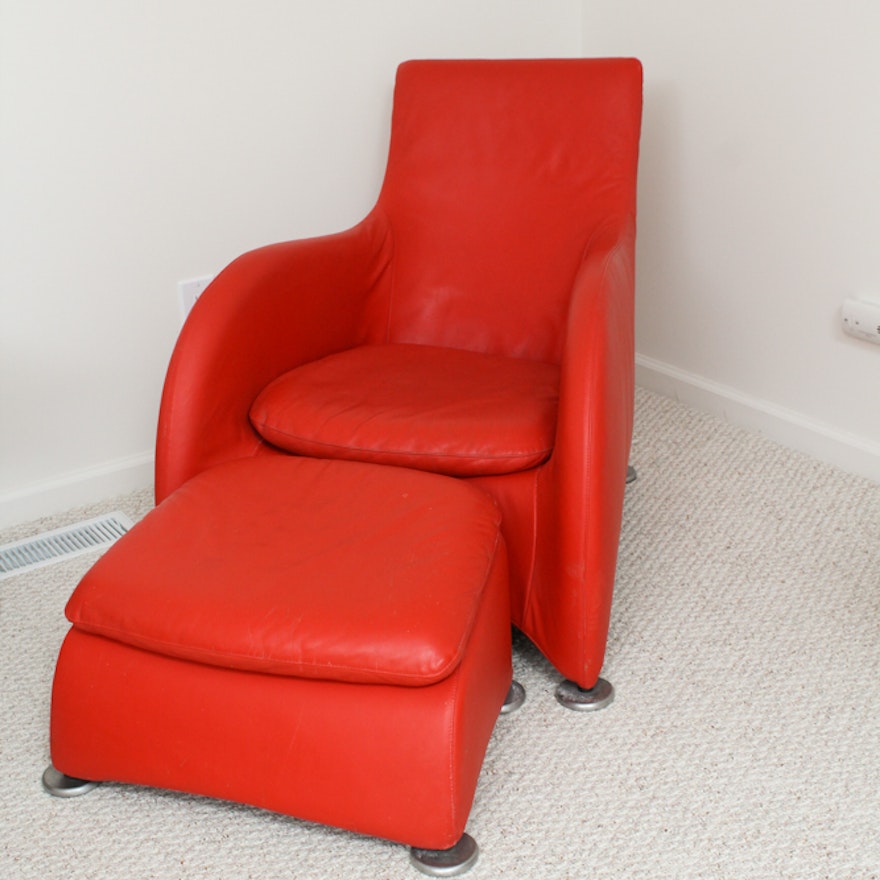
744, 740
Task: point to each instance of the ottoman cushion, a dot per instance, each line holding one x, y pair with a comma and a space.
300, 567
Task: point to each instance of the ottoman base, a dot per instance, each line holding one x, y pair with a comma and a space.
392, 762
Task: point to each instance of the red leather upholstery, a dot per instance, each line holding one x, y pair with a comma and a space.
302, 567
505, 227
445, 410
329, 640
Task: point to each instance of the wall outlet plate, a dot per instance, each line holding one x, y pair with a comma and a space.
861, 318
189, 291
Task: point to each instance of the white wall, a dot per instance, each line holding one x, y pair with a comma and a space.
144, 143
759, 210
141, 144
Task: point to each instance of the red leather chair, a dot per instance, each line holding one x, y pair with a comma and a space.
478, 322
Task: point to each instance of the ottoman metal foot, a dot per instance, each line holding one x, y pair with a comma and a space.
446, 862
60, 785
516, 696
597, 697
631, 475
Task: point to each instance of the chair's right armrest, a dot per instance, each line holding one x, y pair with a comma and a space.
269, 311
581, 488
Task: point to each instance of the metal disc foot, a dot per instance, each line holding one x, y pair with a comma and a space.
631, 474
516, 696
446, 862
597, 697
59, 785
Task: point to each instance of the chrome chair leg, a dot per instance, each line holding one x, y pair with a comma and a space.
60, 785
446, 862
516, 696
574, 697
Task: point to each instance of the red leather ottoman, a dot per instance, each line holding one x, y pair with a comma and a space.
325, 639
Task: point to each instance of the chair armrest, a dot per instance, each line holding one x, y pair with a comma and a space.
583, 483
598, 364
269, 311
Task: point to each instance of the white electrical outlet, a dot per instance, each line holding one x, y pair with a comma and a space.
189, 291
861, 318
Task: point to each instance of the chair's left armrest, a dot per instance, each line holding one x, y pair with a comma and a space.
269, 311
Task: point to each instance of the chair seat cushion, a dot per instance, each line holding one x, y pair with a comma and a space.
341, 571
449, 411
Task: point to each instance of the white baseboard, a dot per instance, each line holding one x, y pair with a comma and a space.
77, 489
852, 453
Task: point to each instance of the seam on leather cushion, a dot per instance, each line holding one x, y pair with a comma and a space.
358, 452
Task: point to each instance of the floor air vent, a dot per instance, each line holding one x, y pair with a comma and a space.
62, 544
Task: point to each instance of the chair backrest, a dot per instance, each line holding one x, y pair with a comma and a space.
498, 174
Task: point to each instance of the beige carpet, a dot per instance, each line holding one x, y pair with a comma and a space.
744, 741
